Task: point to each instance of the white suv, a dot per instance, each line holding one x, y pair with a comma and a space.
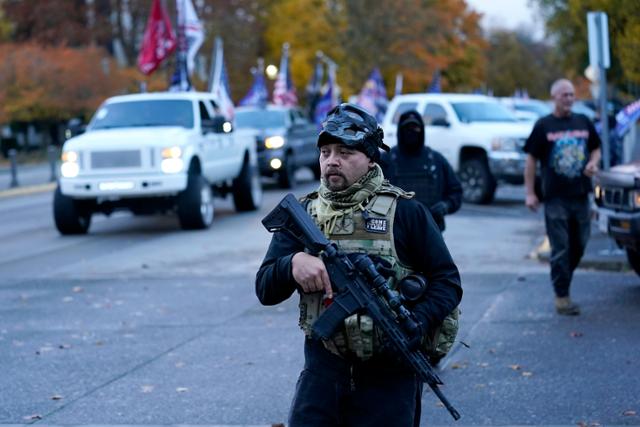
480, 138
156, 152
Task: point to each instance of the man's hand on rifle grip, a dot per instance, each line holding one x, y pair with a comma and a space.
311, 274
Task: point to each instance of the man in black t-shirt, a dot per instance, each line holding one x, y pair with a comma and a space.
568, 148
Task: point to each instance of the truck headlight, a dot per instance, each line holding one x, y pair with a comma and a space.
274, 142
172, 160
635, 199
597, 194
504, 144
69, 167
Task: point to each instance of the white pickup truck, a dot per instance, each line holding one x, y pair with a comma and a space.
152, 153
477, 135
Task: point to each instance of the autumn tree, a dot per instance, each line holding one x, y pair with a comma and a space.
415, 37
56, 83
566, 20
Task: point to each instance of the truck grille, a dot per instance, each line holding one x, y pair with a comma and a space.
617, 198
115, 159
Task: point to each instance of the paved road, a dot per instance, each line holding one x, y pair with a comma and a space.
141, 323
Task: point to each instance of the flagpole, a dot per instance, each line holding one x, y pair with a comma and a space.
216, 64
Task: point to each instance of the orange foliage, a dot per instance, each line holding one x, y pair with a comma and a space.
56, 83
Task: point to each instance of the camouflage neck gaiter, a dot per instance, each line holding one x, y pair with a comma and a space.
334, 204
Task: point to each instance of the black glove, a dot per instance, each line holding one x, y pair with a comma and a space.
439, 209
415, 338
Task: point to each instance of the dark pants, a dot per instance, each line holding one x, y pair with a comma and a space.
333, 392
568, 227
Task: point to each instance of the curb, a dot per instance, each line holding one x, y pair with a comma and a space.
26, 190
590, 261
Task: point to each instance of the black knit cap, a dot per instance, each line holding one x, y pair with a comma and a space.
352, 126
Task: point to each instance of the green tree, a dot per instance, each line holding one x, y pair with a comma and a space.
566, 20
515, 61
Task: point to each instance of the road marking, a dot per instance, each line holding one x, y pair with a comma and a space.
32, 189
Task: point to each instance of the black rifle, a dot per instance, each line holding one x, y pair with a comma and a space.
358, 286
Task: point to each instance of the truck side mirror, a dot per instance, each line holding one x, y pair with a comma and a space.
218, 124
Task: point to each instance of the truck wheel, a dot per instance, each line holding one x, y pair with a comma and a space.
286, 175
247, 188
478, 186
70, 216
195, 204
633, 257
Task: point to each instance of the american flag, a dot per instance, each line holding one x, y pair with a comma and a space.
192, 31
284, 93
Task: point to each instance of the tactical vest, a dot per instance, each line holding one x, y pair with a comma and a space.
425, 180
371, 232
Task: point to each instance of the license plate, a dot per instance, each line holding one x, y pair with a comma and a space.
114, 186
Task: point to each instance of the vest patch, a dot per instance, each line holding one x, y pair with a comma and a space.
376, 225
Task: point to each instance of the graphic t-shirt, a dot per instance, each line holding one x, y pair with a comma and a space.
563, 146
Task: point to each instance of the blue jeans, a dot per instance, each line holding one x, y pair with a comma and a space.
333, 392
568, 223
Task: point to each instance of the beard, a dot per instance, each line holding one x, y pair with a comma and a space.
334, 180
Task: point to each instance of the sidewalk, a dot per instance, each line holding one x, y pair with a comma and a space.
32, 178
601, 253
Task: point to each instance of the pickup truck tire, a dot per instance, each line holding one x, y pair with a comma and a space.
69, 215
287, 174
633, 257
195, 204
247, 188
478, 186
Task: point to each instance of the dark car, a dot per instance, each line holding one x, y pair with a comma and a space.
286, 140
617, 194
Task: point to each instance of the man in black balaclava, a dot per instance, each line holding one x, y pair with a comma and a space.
413, 166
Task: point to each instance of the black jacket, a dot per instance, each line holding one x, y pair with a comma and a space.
419, 244
413, 166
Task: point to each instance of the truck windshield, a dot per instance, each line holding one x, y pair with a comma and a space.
260, 119
143, 113
482, 112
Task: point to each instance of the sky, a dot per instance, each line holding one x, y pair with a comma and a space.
509, 14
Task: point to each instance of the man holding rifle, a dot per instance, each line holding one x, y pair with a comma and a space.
354, 378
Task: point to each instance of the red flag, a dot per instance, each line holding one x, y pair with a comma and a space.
159, 40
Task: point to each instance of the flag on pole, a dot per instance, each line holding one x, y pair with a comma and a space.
373, 96
436, 85
328, 100
284, 93
158, 42
398, 90
314, 88
180, 81
220, 82
192, 31
258, 94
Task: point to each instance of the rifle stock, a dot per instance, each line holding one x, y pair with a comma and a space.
358, 286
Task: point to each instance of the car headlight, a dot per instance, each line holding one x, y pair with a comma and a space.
504, 144
70, 166
172, 160
274, 142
